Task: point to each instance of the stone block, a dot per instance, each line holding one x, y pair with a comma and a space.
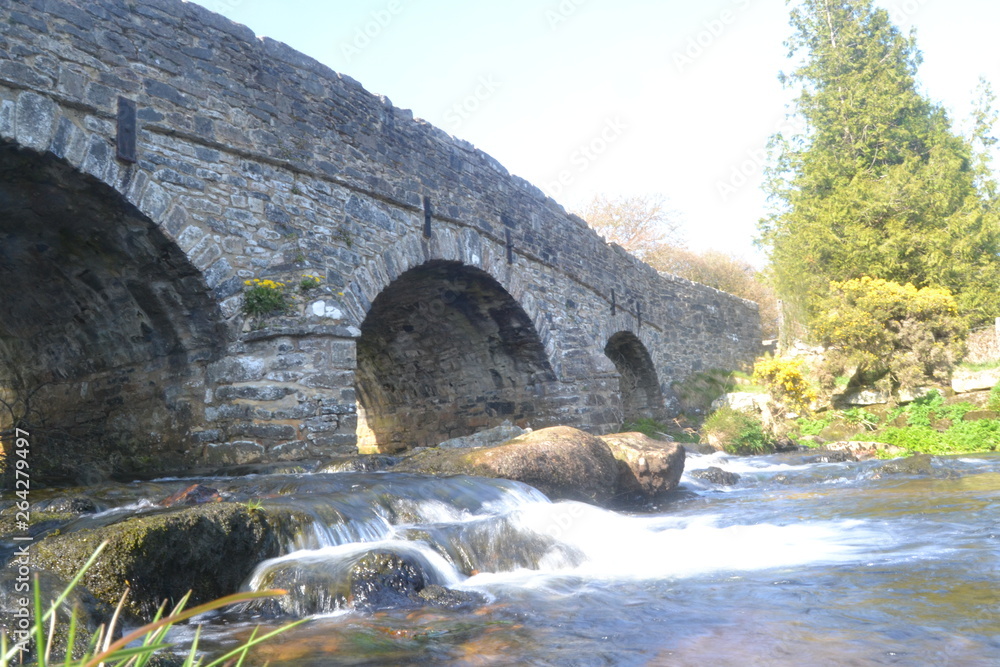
238, 452
35, 120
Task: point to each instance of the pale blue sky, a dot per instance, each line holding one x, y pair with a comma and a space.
620, 97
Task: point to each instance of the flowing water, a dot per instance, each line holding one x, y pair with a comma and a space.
797, 563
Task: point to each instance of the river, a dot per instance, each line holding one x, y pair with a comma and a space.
800, 562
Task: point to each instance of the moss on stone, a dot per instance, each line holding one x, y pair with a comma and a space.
208, 550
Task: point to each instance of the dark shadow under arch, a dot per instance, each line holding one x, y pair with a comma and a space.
638, 386
105, 326
445, 351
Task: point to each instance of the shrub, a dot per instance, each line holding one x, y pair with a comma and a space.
993, 403
785, 380
739, 432
262, 297
894, 336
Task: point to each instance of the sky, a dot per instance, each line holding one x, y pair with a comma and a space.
665, 98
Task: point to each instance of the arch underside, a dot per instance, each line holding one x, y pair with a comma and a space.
104, 322
445, 351
638, 385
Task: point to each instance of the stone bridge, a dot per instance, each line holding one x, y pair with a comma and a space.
155, 156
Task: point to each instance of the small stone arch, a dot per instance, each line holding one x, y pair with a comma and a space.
446, 351
639, 392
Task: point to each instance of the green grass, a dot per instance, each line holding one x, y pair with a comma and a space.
135, 649
739, 432
979, 365
921, 436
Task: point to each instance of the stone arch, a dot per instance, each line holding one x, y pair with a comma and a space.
638, 386
462, 245
446, 351
107, 324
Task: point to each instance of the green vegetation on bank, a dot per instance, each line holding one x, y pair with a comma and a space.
928, 425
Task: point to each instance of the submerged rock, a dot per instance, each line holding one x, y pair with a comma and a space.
716, 476
646, 467
918, 464
385, 580
363, 463
561, 462
374, 580
208, 549
196, 494
863, 451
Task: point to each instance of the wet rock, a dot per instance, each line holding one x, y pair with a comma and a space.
646, 467
827, 456
385, 580
78, 504
716, 476
439, 596
196, 494
364, 463
371, 580
786, 444
863, 451
39, 524
90, 612
918, 464
209, 549
493, 436
562, 462
280, 468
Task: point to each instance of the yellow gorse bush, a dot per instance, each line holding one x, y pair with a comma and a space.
785, 379
895, 334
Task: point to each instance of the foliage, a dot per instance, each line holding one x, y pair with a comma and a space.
962, 437
262, 297
697, 391
309, 282
874, 181
926, 410
739, 432
979, 365
934, 427
134, 649
895, 336
638, 224
648, 427
785, 380
993, 402
860, 417
813, 426
724, 272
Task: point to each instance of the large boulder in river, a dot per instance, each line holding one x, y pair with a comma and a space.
209, 549
646, 467
562, 462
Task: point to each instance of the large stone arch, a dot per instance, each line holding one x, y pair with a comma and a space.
445, 350
463, 245
107, 325
638, 385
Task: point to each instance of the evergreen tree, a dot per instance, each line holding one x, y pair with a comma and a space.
878, 184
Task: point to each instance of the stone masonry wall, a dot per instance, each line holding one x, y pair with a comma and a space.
258, 161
